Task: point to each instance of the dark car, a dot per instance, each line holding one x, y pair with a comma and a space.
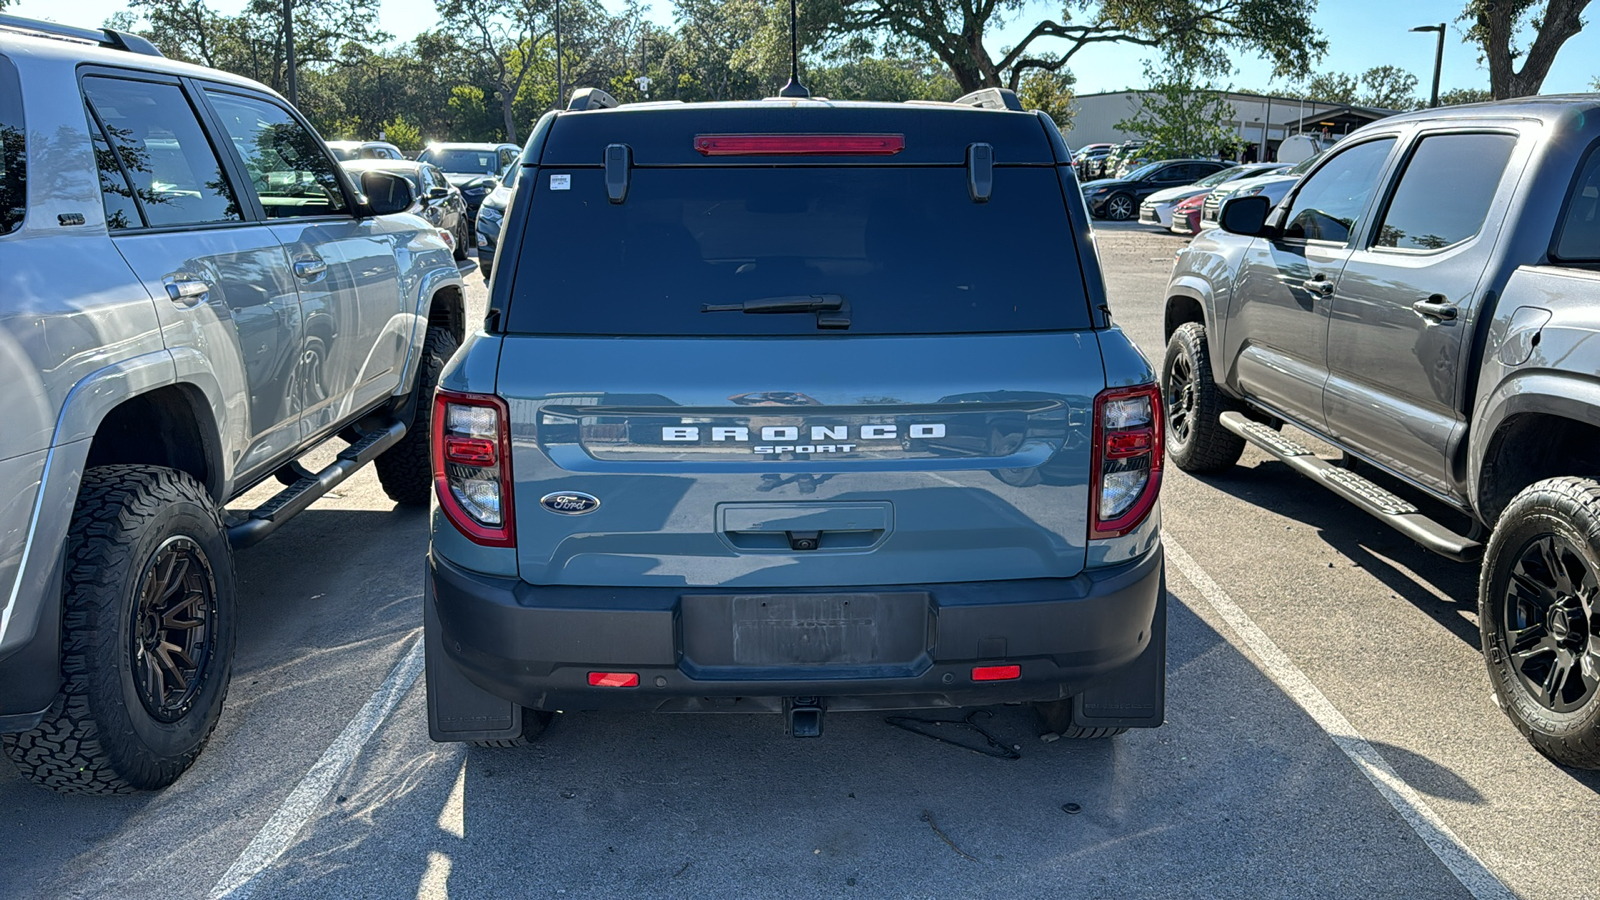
490, 215
1118, 199
437, 201
471, 168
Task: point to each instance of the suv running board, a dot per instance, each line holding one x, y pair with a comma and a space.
1383, 505
305, 488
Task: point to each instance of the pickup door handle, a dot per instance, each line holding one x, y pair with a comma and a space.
186, 290
310, 268
1319, 285
1436, 307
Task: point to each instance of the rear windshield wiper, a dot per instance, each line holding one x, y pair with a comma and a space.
833, 310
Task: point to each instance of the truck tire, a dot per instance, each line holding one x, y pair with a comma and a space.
1196, 440
1538, 613
147, 636
406, 469
1056, 716
534, 722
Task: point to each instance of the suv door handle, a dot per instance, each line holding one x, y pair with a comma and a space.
310, 268
1319, 285
186, 290
1437, 307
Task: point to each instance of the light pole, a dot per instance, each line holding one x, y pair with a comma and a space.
1438, 60
292, 81
561, 87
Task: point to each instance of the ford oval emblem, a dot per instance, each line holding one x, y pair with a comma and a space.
570, 503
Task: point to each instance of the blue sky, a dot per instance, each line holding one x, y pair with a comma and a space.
1361, 34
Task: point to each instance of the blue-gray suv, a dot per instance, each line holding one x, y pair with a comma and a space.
791, 406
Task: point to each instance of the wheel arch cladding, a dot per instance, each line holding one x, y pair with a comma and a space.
170, 426
1181, 310
448, 309
1531, 446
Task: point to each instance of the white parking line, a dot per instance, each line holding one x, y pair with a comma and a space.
307, 798
1456, 856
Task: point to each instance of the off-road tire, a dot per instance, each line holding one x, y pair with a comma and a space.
1196, 439
406, 469
1056, 718
1568, 510
99, 736
534, 722
1124, 211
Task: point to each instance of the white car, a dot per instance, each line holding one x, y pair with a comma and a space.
1274, 187
1157, 208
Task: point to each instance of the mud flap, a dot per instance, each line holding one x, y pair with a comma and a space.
1134, 696
459, 710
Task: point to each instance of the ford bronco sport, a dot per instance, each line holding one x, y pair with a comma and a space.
194, 296
792, 405
1424, 301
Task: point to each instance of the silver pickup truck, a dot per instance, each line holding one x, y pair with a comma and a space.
192, 296
1426, 300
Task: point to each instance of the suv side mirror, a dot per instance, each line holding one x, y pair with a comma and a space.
438, 193
1245, 215
387, 193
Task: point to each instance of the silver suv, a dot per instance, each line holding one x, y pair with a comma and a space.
194, 296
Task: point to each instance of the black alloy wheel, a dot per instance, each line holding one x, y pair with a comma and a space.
1180, 399
173, 635
1121, 208
1550, 628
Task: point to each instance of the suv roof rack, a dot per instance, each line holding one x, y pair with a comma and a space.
991, 98
104, 37
591, 98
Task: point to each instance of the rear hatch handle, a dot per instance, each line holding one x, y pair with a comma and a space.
833, 310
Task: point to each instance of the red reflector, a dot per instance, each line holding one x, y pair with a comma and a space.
799, 144
613, 679
1127, 443
468, 451
996, 673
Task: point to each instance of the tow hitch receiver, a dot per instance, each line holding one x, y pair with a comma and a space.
803, 716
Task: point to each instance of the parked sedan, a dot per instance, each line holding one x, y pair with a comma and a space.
1186, 215
472, 168
1157, 208
1273, 187
436, 201
1118, 199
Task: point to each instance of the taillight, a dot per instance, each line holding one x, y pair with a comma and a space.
472, 465
1126, 473
799, 144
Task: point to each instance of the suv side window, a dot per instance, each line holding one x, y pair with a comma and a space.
507, 156
157, 168
288, 165
1579, 240
13, 151
1445, 192
1328, 206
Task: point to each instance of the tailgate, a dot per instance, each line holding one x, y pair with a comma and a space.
790, 463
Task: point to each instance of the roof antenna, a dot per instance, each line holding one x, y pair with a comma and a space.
794, 88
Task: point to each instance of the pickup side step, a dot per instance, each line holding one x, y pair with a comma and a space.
305, 488
1384, 505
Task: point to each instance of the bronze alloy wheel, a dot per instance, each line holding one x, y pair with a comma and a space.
1551, 627
172, 638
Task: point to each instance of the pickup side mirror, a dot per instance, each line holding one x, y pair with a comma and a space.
1245, 215
438, 193
387, 193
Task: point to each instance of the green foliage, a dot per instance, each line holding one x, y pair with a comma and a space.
1458, 96
1181, 116
403, 134
1052, 92
1385, 87
893, 80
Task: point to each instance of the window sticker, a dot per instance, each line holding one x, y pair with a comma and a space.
560, 182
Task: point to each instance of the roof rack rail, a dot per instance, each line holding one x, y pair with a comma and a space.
104, 37
991, 98
591, 98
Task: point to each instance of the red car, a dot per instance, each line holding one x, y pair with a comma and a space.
1186, 215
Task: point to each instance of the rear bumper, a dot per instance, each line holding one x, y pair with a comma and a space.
535, 646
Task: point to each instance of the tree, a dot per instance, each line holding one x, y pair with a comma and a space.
1458, 96
1333, 87
1181, 117
891, 79
502, 34
403, 134
1494, 26
1052, 92
1389, 87
1192, 33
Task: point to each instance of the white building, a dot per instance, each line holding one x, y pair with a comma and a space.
1254, 116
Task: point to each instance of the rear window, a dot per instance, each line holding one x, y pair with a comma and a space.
486, 162
907, 248
13, 151
1580, 231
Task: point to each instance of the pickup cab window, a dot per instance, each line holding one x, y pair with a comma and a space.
1580, 232
13, 151
1446, 190
1328, 206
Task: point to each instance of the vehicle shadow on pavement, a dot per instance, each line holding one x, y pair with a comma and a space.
1238, 795
1364, 541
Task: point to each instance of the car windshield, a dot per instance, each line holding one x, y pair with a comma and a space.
475, 162
344, 153
1144, 171
1220, 177
1304, 165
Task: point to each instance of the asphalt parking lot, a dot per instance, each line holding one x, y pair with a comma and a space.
1330, 733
